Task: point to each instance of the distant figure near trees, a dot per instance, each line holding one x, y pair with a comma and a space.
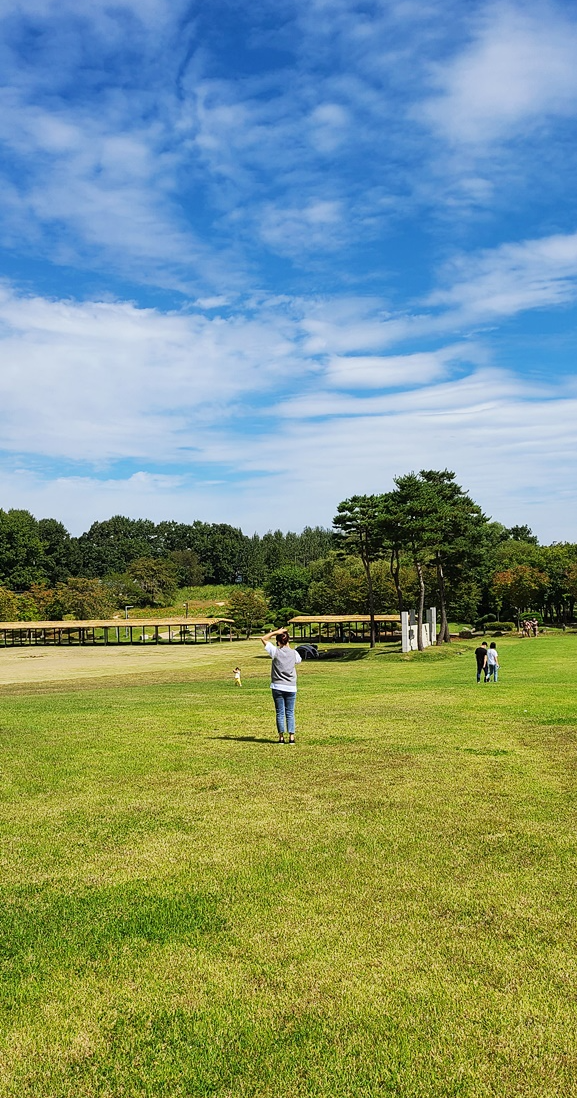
530, 627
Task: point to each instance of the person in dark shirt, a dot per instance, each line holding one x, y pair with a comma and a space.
481, 657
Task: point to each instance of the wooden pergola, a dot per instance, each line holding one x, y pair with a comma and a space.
345, 627
116, 631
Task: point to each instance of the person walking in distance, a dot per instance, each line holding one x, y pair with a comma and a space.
283, 681
481, 657
237, 678
492, 662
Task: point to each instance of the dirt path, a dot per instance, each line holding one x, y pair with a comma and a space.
41, 665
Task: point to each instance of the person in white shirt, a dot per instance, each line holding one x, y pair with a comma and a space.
492, 662
283, 681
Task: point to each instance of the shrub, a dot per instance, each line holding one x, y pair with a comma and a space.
466, 634
506, 626
481, 623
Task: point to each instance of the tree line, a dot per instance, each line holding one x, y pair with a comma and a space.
45, 572
424, 542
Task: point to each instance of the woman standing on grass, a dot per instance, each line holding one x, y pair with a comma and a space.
283, 681
492, 662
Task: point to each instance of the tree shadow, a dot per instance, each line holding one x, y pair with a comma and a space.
245, 739
343, 655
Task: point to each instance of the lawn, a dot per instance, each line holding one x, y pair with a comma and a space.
387, 908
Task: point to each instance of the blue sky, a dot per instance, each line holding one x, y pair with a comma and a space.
259, 257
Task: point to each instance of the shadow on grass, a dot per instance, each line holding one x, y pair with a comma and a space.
245, 739
344, 655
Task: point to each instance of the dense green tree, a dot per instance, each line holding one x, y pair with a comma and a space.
27, 608
430, 516
124, 589
520, 587
359, 524
156, 580
85, 599
253, 568
188, 569
522, 533
455, 522
287, 586
22, 557
8, 605
385, 584
509, 553
411, 518
558, 560
110, 546
41, 597
338, 585
60, 553
314, 542
570, 581
249, 609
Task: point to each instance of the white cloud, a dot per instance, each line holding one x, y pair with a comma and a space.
503, 281
316, 225
102, 184
514, 448
98, 381
519, 68
384, 371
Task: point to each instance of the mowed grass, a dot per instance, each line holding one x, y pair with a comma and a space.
387, 908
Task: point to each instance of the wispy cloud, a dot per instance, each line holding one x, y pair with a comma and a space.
343, 196
510, 279
129, 382
518, 68
399, 371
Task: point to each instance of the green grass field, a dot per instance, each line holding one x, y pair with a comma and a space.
388, 908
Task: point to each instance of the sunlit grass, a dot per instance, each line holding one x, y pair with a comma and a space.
386, 909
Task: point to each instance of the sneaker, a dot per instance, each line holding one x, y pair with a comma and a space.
281, 739
291, 739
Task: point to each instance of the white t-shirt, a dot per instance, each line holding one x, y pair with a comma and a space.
282, 673
492, 657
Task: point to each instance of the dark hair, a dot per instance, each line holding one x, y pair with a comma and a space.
493, 645
282, 638
485, 644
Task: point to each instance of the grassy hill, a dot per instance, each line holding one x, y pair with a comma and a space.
388, 908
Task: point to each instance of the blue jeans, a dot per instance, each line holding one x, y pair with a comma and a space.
284, 704
493, 670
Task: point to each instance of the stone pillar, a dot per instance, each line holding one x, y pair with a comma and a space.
431, 619
405, 642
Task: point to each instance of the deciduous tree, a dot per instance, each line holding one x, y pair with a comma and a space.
85, 599
288, 586
248, 608
156, 580
520, 586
